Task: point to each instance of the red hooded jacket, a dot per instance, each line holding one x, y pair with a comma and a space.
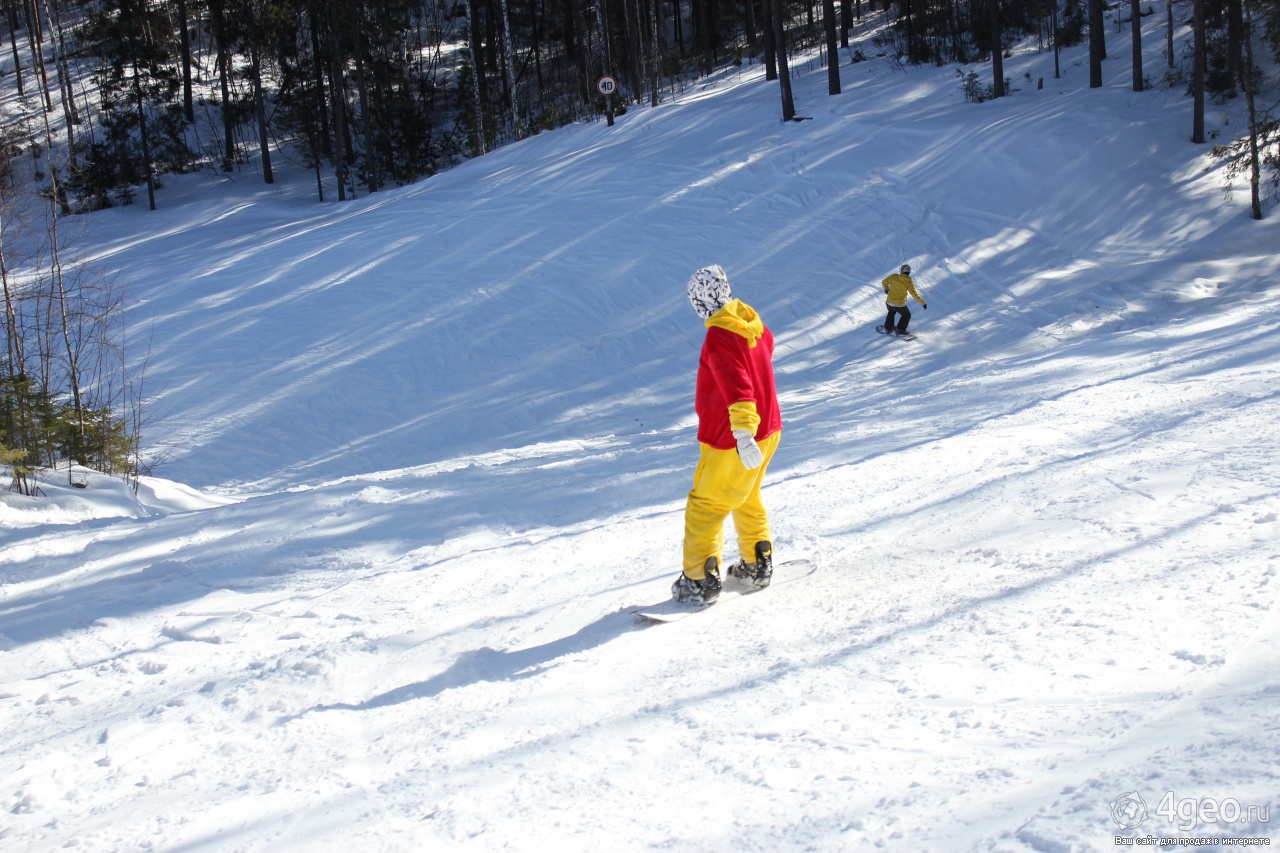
736, 367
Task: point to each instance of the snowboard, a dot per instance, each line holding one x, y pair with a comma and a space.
907, 337
785, 572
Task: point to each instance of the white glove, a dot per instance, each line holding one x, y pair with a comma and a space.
748, 450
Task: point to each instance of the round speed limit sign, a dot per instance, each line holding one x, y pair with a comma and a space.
607, 85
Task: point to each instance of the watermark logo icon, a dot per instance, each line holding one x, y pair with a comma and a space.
1129, 810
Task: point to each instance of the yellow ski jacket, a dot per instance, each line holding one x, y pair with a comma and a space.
896, 288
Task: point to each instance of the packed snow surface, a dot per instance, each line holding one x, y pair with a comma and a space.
428, 451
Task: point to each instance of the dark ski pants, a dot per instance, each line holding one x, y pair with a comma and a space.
903, 315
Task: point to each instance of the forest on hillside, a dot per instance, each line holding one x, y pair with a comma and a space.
384, 93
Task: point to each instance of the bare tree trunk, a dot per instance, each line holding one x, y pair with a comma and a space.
1168, 32
339, 98
704, 33
997, 50
326, 137
1255, 164
784, 72
476, 70
655, 69
1097, 43
36, 40
64, 82
630, 57
833, 50
13, 41
537, 17
907, 16
1197, 75
366, 115
508, 68
143, 134
57, 37
770, 41
184, 40
260, 110
602, 10
677, 24
1057, 71
1235, 41
1135, 28
218, 11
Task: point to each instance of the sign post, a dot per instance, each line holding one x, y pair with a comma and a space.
607, 86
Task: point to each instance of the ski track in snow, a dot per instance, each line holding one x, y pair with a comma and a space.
444, 435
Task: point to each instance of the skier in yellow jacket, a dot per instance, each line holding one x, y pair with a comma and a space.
896, 288
739, 424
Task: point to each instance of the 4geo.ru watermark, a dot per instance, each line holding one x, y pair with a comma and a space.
1189, 814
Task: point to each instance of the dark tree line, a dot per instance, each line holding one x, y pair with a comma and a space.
383, 93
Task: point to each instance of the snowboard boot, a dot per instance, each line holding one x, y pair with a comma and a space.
705, 591
760, 572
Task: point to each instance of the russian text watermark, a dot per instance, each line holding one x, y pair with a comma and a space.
1130, 811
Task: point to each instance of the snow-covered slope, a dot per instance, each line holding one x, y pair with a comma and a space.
448, 429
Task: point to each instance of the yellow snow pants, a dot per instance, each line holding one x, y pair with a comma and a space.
721, 486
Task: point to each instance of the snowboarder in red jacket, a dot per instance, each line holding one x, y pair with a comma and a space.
739, 426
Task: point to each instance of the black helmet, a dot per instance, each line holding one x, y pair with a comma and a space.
905, 269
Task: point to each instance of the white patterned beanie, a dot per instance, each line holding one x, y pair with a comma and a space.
709, 290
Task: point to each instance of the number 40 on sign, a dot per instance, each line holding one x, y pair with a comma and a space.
607, 86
